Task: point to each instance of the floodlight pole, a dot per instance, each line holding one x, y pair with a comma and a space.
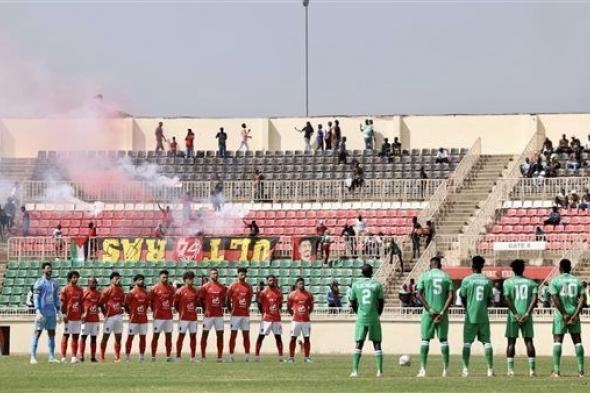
306, 6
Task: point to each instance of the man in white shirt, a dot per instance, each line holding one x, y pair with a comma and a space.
360, 227
245, 133
442, 156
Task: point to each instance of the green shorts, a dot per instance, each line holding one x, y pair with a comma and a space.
479, 330
560, 328
513, 328
373, 329
429, 329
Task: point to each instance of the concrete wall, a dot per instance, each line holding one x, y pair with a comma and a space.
335, 337
501, 134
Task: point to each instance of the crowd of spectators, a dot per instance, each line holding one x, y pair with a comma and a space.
547, 163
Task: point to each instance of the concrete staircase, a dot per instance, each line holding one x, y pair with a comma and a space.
458, 209
17, 169
582, 270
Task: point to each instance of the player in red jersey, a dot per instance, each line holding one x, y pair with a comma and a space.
239, 298
71, 307
185, 304
213, 296
270, 302
162, 301
90, 318
137, 302
111, 305
300, 306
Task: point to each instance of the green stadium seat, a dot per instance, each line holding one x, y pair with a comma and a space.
292, 281
317, 264
4, 299
16, 300
204, 264
316, 273
65, 264
315, 281
263, 273
35, 265
295, 273
62, 281
265, 264
149, 280
22, 273
19, 282
30, 281
253, 272
284, 281
283, 272
306, 273
295, 264
327, 272
254, 264
357, 263
12, 265
83, 282
127, 281
7, 291
320, 299
170, 265
103, 281
275, 272
275, 264
8, 282
306, 264
20, 290
77, 264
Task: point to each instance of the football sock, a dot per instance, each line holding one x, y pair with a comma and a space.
34, 345
51, 342
292, 346
179, 341
219, 346
489, 355
306, 347
580, 357
74, 345
82, 347
128, 344
532, 364
117, 350
142, 344
193, 344
64, 346
424, 347
356, 360
466, 354
258, 346
93, 347
556, 356
510, 363
155, 344
379, 360
232, 341
279, 345
168, 340
444, 350
103, 349
203, 346
246, 336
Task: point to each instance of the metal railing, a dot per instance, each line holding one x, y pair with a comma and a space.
423, 262
574, 254
547, 188
460, 174
233, 191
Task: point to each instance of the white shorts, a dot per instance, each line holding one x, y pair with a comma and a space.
138, 328
216, 322
240, 323
90, 328
163, 325
113, 324
187, 326
267, 327
73, 327
300, 328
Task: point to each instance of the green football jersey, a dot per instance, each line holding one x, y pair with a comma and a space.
568, 288
520, 291
435, 285
477, 291
367, 293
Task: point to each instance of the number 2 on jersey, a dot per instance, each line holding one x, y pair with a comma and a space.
366, 298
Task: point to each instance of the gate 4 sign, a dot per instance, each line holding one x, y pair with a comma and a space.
234, 249
189, 249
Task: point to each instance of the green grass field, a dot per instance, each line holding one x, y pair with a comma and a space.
327, 374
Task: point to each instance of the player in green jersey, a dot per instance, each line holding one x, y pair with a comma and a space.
520, 295
476, 294
568, 299
435, 292
366, 299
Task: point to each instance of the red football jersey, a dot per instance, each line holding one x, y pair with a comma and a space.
162, 297
71, 302
271, 300
213, 298
90, 302
185, 301
112, 300
240, 296
301, 302
136, 303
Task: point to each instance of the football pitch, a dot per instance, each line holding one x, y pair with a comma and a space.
327, 374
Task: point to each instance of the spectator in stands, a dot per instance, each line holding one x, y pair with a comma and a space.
547, 147
342, 153
221, 142
368, 134
525, 168
30, 299
90, 245
307, 133
554, 217
3, 222
186, 201
160, 231
189, 142
497, 294
257, 179
585, 202
328, 136
360, 226
429, 232
173, 146
160, 138
404, 297
386, 150
587, 145
320, 138
167, 218
320, 229
563, 146
540, 234
396, 147
333, 297
10, 209
552, 168
325, 241
25, 221
245, 135
442, 156
415, 236
357, 176
58, 238
574, 199
561, 199
458, 301
253, 229
217, 198
545, 296
392, 249
336, 134
538, 169
411, 290
572, 163
349, 234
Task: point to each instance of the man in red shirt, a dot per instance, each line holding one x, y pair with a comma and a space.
190, 140
162, 301
137, 302
90, 318
300, 306
71, 307
213, 296
185, 303
111, 305
239, 298
270, 302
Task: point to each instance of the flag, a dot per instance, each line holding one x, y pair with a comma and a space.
77, 249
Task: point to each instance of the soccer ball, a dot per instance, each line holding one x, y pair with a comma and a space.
405, 361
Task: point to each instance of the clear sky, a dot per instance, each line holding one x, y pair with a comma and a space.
246, 58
